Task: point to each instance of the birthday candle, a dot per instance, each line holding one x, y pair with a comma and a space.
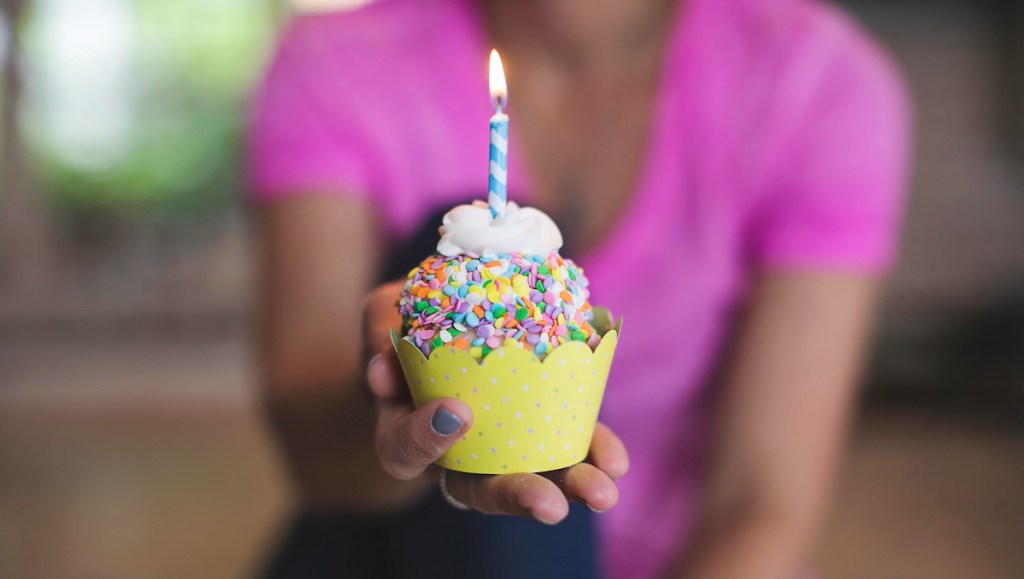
497, 182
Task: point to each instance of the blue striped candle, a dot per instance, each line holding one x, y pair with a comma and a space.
497, 182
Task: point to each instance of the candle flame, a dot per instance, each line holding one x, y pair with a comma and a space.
499, 89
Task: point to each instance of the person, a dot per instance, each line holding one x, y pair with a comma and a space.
729, 173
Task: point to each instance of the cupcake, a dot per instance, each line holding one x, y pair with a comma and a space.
499, 319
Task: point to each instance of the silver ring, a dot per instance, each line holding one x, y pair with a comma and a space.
448, 496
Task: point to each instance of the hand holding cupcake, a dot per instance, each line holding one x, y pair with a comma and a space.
499, 320
502, 350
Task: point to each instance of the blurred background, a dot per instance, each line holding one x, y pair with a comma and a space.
130, 440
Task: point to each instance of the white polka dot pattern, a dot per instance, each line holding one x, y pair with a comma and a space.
528, 415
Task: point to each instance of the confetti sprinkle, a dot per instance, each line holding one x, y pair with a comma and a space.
509, 300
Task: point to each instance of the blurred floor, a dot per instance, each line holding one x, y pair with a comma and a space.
922, 496
154, 489
132, 460
162, 495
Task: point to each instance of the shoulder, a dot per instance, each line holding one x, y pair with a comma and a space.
796, 71
808, 45
375, 27
371, 46
770, 65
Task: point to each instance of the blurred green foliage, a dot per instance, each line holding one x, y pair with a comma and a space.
191, 65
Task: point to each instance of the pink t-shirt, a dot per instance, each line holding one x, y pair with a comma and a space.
779, 141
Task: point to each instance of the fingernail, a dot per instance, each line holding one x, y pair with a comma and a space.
532, 515
536, 517
372, 361
445, 423
598, 511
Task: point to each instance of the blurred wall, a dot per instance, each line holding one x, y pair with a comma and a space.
951, 326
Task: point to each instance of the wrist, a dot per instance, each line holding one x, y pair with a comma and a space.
326, 437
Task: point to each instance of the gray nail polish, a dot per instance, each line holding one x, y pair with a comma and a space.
445, 423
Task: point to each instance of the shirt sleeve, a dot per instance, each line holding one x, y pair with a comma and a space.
834, 196
300, 139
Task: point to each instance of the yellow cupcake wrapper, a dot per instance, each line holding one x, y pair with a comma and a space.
528, 415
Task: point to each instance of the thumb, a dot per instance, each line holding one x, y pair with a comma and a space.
408, 441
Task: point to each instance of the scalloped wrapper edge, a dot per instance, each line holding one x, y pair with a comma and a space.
528, 415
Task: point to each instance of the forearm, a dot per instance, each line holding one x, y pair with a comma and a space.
754, 546
783, 409
326, 435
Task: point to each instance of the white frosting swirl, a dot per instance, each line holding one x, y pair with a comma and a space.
471, 229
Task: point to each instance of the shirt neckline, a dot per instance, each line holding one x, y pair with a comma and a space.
617, 242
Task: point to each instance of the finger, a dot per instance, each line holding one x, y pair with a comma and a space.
384, 375
380, 316
408, 441
587, 484
608, 453
524, 495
